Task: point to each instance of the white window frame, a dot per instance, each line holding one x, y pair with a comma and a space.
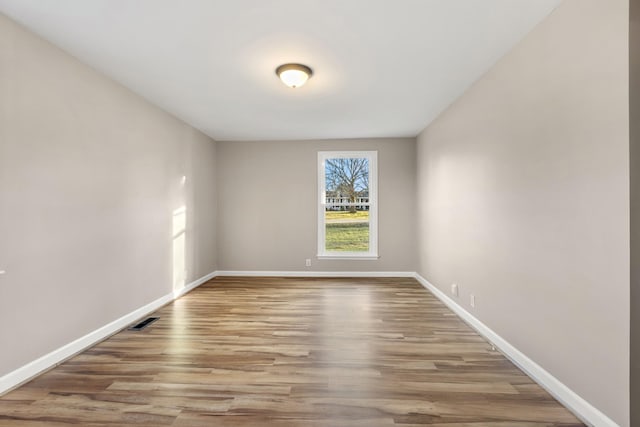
372, 157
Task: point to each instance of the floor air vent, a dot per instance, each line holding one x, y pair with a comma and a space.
143, 324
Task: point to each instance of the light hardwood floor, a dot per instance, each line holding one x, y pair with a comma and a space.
291, 352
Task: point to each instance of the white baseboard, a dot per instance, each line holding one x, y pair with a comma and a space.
318, 273
30, 370
191, 286
572, 401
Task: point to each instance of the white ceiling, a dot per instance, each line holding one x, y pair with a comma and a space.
381, 67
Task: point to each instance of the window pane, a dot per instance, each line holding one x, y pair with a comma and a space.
346, 231
347, 204
347, 181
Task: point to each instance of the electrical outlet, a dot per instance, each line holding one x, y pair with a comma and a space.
307, 262
472, 300
454, 289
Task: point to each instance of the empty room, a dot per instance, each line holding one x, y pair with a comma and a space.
320, 213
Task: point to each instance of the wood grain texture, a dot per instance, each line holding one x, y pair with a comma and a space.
291, 352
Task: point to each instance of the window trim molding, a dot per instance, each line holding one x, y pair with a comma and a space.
372, 253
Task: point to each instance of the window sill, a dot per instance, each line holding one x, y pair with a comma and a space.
355, 257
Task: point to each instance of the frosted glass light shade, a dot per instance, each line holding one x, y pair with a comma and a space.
294, 75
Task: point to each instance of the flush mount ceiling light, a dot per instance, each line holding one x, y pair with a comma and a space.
294, 75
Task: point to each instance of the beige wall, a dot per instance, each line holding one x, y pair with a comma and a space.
90, 177
524, 202
634, 114
267, 214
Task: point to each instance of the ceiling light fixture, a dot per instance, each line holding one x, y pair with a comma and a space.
294, 75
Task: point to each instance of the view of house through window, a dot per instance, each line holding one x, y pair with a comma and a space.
347, 209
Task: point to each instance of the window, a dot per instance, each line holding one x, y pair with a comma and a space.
347, 204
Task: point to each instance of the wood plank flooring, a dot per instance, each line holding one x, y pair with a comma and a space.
291, 352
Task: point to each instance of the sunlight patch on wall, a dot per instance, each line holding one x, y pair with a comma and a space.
179, 246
